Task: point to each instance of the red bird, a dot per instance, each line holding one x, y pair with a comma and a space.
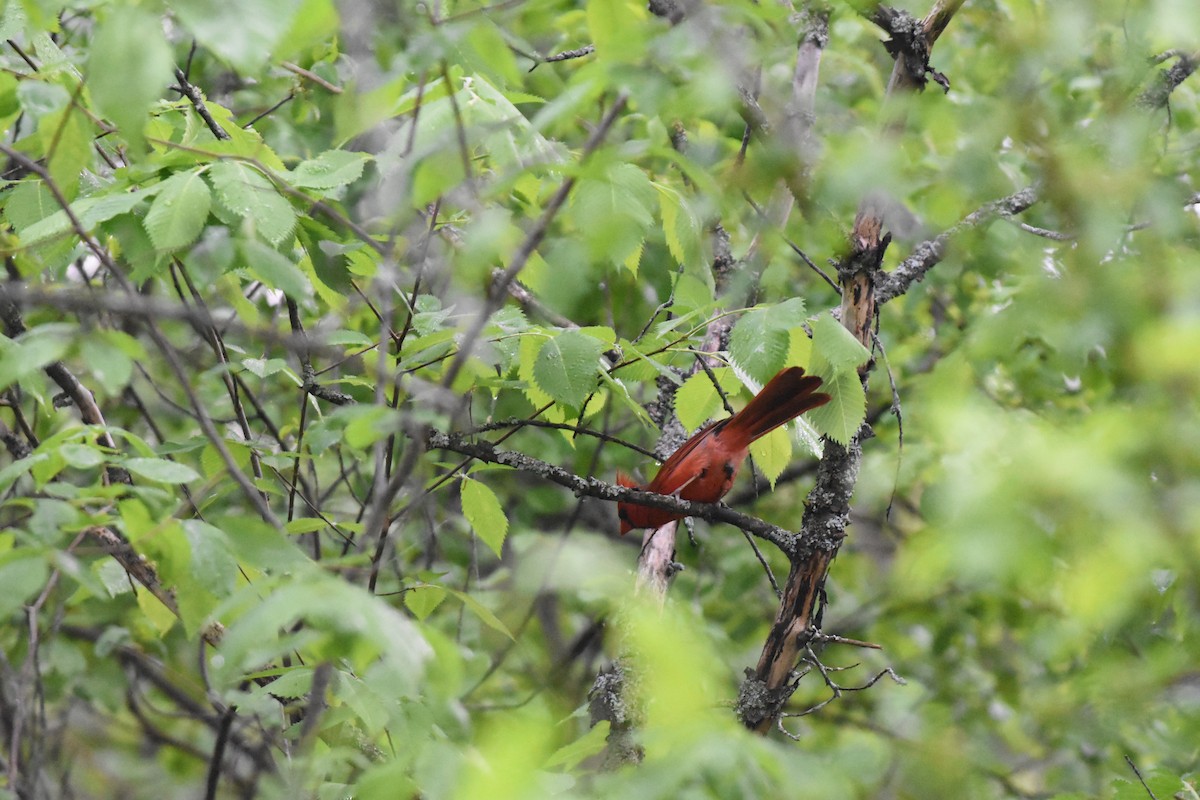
703, 468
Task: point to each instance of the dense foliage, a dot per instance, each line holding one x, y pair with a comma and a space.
274, 266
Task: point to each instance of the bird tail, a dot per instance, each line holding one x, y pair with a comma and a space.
786, 396
627, 511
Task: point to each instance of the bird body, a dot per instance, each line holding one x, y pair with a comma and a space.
704, 467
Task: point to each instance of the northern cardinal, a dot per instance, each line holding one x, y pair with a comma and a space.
703, 468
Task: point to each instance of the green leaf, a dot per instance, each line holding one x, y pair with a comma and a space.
81, 456
157, 614
436, 174
23, 572
486, 516
697, 399
212, 564
292, 683
66, 137
422, 600
566, 367
612, 211
757, 345
841, 417
617, 29
772, 453
484, 613
837, 345
129, 68
527, 356
340, 620
681, 227
11, 472
244, 34
261, 546
786, 315
28, 203
329, 170
248, 194
305, 525
179, 212
33, 351
90, 211
310, 28
265, 367
589, 744
368, 424
275, 269
162, 470
110, 356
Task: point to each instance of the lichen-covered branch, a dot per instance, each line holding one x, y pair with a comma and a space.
785, 540
928, 253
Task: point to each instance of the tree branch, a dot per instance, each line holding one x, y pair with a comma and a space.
785, 540
928, 253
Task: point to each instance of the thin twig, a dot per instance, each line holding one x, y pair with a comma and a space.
194, 95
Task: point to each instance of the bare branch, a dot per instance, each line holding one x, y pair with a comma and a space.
1168, 80
929, 253
594, 487
196, 97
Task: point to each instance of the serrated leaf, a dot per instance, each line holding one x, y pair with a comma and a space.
269, 366
613, 212
66, 137
305, 525
11, 472
681, 227
837, 345
161, 617
589, 744
90, 211
162, 470
605, 335
757, 345
110, 356
128, 68
616, 28
329, 170
212, 564
483, 511
786, 315
179, 212
772, 453
638, 366
294, 682
436, 174
22, 573
274, 268
484, 613
566, 366
633, 261
692, 294
696, 401
30, 353
799, 347
258, 545
28, 203
422, 600
368, 424
243, 34
841, 417
247, 193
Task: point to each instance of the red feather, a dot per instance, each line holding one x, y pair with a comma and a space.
703, 468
